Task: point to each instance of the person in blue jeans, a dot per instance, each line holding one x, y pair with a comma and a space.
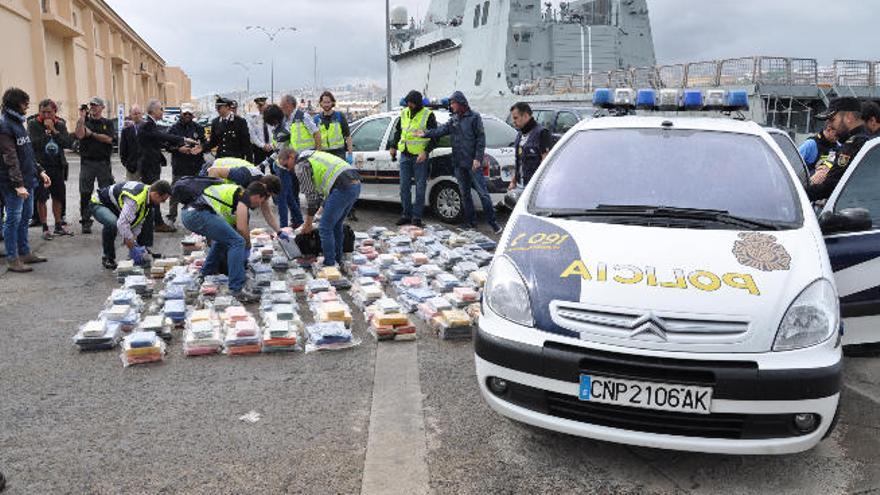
19, 175
325, 178
221, 214
465, 129
414, 152
288, 200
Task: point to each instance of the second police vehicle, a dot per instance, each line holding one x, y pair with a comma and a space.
665, 282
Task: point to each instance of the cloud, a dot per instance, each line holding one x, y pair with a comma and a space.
207, 37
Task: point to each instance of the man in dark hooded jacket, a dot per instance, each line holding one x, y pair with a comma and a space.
465, 129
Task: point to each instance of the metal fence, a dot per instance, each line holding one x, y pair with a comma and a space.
781, 71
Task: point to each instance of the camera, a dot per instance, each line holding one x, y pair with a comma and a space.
83, 107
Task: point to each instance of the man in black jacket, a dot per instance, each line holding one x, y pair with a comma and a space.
49, 138
185, 160
153, 141
96, 135
230, 133
129, 149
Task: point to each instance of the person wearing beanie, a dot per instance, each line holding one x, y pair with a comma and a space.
414, 153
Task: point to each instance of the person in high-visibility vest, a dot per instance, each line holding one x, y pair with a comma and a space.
335, 134
329, 179
414, 153
244, 173
125, 209
222, 213
302, 134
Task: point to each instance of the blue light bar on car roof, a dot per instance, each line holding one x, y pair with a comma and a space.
737, 100
692, 99
602, 98
646, 99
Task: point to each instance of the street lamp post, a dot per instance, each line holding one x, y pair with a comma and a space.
388, 54
271, 34
247, 71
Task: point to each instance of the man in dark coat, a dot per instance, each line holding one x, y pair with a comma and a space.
230, 134
129, 149
153, 141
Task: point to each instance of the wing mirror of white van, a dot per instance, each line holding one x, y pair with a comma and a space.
846, 220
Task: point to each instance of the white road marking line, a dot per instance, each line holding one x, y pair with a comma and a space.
396, 445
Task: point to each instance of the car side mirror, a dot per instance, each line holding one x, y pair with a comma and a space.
846, 220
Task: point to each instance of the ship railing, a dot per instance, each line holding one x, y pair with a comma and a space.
743, 71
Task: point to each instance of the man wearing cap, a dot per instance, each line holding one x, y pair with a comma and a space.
229, 133
185, 160
96, 135
153, 141
261, 135
845, 116
414, 153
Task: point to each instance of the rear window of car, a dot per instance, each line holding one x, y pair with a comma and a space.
737, 173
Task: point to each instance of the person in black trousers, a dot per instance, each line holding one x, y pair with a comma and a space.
129, 149
185, 160
230, 133
153, 141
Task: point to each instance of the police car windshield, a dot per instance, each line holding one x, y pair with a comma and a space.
737, 174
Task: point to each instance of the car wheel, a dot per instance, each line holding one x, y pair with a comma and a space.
446, 202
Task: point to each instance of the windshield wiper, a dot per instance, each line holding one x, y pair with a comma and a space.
647, 211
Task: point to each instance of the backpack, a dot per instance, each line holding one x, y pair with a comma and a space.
310, 244
190, 188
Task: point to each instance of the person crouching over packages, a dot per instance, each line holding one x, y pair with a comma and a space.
222, 213
125, 209
326, 178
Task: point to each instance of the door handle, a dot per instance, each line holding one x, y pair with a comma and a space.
371, 159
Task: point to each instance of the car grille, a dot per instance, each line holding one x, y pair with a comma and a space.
642, 326
715, 425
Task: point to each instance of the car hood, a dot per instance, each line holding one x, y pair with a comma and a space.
661, 288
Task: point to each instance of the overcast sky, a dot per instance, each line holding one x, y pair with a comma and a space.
206, 37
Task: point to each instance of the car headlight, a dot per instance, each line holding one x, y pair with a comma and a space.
507, 294
812, 318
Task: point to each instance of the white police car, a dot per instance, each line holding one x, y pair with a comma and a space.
664, 282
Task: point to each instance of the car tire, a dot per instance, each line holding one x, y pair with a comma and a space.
446, 202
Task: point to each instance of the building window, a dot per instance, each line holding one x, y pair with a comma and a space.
45, 6
57, 68
477, 16
75, 19
485, 12
479, 78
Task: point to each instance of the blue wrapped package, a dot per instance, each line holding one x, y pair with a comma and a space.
142, 339
176, 310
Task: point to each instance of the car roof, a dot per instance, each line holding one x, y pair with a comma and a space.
691, 123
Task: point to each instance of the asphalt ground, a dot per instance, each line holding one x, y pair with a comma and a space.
73, 422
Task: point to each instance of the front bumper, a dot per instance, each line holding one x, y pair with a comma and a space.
751, 409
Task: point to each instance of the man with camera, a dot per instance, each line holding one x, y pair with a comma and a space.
95, 135
185, 160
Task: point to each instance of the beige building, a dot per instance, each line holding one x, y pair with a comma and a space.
71, 50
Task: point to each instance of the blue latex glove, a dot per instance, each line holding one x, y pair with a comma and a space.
349, 158
137, 255
284, 236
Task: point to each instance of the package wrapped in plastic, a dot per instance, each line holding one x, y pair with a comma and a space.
388, 322
243, 337
461, 297
432, 307
329, 336
172, 292
202, 338
365, 295
482, 258
317, 285
413, 282
174, 272
297, 278
263, 279
475, 311
125, 297
280, 263
376, 231
386, 260
278, 286
221, 303
191, 243
401, 251
126, 316
330, 273
463, 269
97, 335
452, 324
142, 348
209, 289
176, 310
158, 324
419, 259
359, 259
479, 277
368, 271
332, 311
456, 240
127, 268
219, 279
325, 296
429, 271
281, 335
445, 282
232, 314
140, 284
